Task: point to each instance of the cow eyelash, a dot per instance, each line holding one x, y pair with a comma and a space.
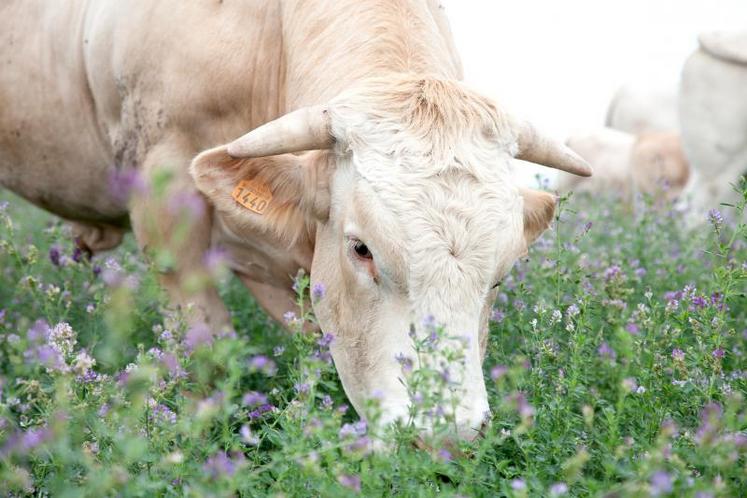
497, 285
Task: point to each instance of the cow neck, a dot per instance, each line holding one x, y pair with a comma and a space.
332, 44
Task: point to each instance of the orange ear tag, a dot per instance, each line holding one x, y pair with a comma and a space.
253, 195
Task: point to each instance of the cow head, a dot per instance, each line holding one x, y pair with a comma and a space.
659, 165
414, 216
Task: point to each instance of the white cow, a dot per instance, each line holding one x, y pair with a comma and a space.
713, 109
371, 165
644, 107
651, 163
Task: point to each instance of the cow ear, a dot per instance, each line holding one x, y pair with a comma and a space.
283, 195
539, 211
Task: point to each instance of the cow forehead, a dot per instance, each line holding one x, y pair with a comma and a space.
428, 125
451, 226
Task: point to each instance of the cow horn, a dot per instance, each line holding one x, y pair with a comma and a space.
539, 149
307, 128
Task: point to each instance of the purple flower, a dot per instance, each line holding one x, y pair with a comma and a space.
77, 254
350, 482
318, 291
518, 485
170, 361
198, 335
446, 376
254, 398
572, 311
261, 410
498, 372
698, 303
361, 445
89, 377
289, 317
124, 183
215, 258
718, 353
497, 316
661, 483
612, 273
444, 454
62, 338
405, 362
163, 413
50, 358
605, 351
54, 255
261, 363
122, 377
34, 438
519, 400
327, 402
672, 295
558, 489
678, 354
39, 332
220, 465
716, 219
104, 410
358, 429
113, 274
629, 384
710, 418
632, 328
302, 387
188, 203
737, 439
325, 341
717, 300
25, 442
429, 322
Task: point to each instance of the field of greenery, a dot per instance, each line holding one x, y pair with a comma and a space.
616, 367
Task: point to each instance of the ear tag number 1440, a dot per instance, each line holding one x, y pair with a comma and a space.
253, 195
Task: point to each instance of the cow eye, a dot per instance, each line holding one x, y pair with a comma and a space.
362, 250
498, 284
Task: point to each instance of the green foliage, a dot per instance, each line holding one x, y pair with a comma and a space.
616, 366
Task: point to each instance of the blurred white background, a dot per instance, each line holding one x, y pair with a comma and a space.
559, 63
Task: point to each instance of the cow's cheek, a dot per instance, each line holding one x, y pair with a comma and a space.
338, 306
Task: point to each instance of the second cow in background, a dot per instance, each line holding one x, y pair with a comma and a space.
650, 163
